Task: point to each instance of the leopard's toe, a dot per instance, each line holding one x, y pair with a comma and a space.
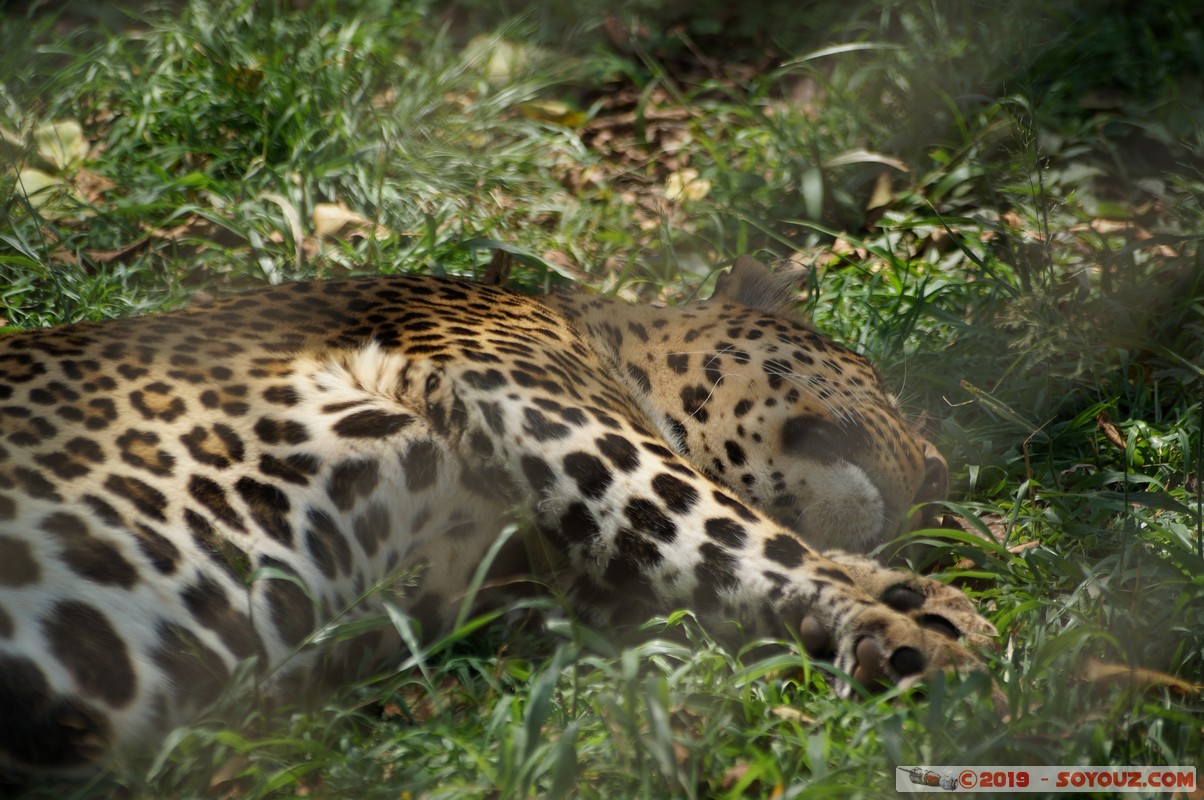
885, 648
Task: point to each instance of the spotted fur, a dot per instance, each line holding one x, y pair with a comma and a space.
185, 491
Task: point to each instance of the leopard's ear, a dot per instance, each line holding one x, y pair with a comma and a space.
753, 284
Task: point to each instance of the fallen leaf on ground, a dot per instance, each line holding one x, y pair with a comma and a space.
1101, 673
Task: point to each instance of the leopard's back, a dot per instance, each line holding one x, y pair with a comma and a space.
182, 492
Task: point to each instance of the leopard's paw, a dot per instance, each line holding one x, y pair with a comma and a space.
933, 605
878, 645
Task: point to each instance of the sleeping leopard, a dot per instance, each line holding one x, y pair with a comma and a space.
182, 492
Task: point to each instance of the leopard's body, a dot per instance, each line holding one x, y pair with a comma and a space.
181, 492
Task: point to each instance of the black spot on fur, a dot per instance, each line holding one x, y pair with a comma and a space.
678, 433
578, 524
646, 517
678, 495
89, 557
101, 411
590, 474
281, 395
34, 484
835, 573
372, 424
192, 667
17, 564
275, 431
352, 481
777, 371
269, 508
693, 402
140, 449
735, 506
86, 645
208, 604
492, 412
158, 549
716, 572
287, 469
620, 452
149, 501
726, 531
211, 495
786, 550
538, 474
636, 557
224, 553
291, 609
487, 381
326, 544
420, 463
372, 527
40, 729
154, 401
640, 377
62, 465
103, 511
218, 446
541, 428
735, 453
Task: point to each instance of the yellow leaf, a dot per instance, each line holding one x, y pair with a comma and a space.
47, 193
882, 195
502, 61
686, 185
61, 143
553, 111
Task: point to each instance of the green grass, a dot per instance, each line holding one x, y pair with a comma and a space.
1001, 208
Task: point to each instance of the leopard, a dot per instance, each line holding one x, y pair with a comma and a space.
192, 493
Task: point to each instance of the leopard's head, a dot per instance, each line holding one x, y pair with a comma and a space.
795, 424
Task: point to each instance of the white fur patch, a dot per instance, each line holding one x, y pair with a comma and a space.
845, 509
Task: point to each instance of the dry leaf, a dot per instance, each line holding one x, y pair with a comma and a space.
882, 195
227, 771
333, 221
843, 247
792, 715
734, 774
563, 264
497, 273
1110, 431
1103, 674
681, 754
